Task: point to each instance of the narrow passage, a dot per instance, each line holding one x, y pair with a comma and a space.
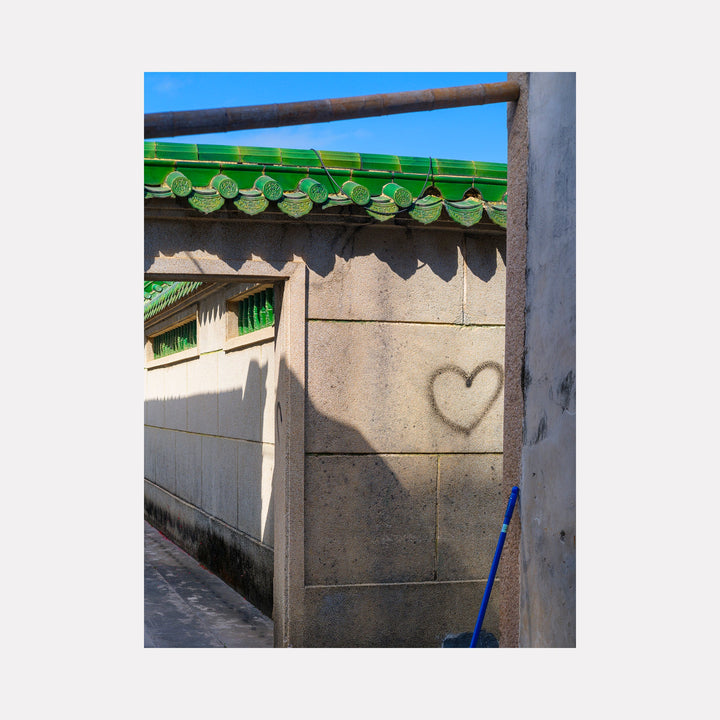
186, 606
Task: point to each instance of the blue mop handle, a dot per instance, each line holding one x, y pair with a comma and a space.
496, 561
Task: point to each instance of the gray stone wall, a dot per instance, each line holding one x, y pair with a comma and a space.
385, 532
403, 439
209, 451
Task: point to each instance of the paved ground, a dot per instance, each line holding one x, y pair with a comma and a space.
188, 607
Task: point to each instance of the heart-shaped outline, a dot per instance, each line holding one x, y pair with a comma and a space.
468, 378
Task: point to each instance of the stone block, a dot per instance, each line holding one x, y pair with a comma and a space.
249, 518
211, 322
202, 402
267, 525
403, 387
268, 399
485, 281
150, 437
176, 396
413, 615
155, 397
470, 515
386, 274
188, 467
164, 448
242, 393
369, 518
220, 478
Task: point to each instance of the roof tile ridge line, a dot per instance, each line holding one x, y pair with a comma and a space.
178, 163
340, 153
177, 291
168, 284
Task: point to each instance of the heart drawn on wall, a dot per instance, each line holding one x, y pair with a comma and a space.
461, 399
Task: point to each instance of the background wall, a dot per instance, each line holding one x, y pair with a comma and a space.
403, 461
209, 453
400, 495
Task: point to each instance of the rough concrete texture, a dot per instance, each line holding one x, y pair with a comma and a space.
509, 570
404, 387
420, 276
202, 408
219, 479
470, 512
393, 615
402, 372
188, 466
370, 519
547, 591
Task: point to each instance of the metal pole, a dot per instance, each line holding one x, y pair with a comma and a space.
493, 569
192, 122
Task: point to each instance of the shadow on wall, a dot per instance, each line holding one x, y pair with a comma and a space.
214, 452
323, 247
372, 522
385, 537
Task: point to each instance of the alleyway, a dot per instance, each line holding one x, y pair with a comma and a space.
188, 607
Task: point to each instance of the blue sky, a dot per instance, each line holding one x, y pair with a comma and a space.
471, 133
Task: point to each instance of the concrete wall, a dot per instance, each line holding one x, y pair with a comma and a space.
209, 448
540, 404
385, 536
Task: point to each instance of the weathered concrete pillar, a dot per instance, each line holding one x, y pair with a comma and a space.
539, 422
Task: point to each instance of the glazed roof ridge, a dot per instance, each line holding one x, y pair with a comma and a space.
299, 181
255, 155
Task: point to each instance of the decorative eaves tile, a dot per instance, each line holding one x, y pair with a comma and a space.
295, 180
165, 296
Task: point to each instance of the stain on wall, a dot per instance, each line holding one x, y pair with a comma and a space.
464, 411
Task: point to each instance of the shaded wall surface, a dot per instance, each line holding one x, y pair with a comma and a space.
209, 450
400, 490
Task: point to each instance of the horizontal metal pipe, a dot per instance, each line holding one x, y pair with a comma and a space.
195, 122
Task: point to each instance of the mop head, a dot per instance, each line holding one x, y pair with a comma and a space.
485, 640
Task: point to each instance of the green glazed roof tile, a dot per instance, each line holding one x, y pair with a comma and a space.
206, 202
453, 167
198, 175
261, 156
251, 202
164, 294
176, 151
155, 174
380, 162
303, 158
491, 170
414, 165
218, 172
153, 287
466, 212
219, 153
296, 204
340, 159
